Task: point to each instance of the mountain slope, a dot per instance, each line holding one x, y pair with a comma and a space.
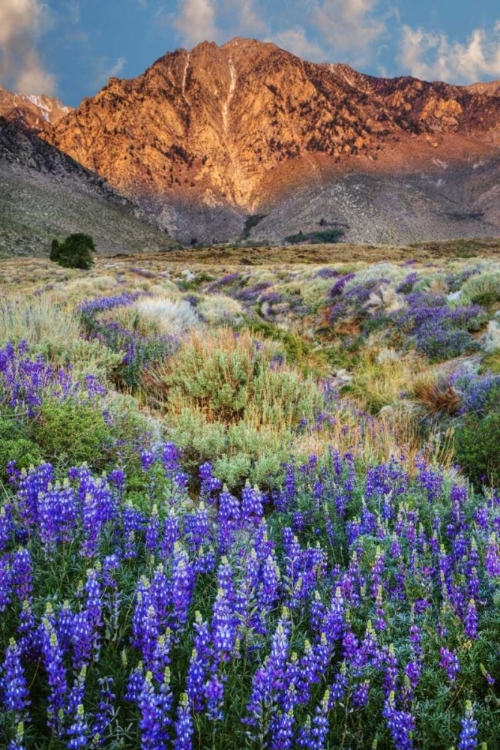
45, 194
207, 137
34, 112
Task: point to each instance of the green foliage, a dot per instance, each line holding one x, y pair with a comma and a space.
72, 432
482, 290
316, 238
298, 351
230, 378
250, 223
491, 363
238, 452
477, 445
75, 252
16, 446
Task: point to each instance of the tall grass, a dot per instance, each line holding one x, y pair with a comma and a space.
39, 320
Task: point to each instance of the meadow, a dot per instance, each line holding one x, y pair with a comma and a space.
249, 500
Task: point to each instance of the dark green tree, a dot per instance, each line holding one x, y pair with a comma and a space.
75, 252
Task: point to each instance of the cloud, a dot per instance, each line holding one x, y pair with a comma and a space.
195, 21
106, 73
22, 23
250, 18
432, 56
295, 40
349, 28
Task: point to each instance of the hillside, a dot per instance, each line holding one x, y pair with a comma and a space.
46, 194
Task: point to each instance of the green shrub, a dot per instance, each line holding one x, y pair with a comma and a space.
482, 290
72, 432
477, 445
15, 445
250, 223
238, 452
316, 238
232, 377
75, 252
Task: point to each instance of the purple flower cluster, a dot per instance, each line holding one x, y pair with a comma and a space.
346, 594
25, 381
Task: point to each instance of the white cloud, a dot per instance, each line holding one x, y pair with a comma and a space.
106, 73
295, 40
349, 28
250, 19
22, 22
433, 56
195, 21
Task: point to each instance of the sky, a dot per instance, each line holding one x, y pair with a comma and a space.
70, 48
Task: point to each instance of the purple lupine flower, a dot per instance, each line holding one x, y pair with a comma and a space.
18, 742
210, 485
449, 662
251, 506
361, 694
133, 524
468, 733
391, 672
6, 526
339, 685
313, 734
154, 707
6, 581
103, 714
13, 682
228, 520
270, 677
78, 731
281, 730
22, 574
183, 580
199, 664
171, 535
471, 620
401, 724
197, 528
56, 673
152, 538
492, 558
214, 695
183, 725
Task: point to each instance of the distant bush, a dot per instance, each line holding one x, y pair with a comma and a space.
75, 252
250, 223
316, 238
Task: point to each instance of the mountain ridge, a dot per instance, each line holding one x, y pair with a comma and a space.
207, 137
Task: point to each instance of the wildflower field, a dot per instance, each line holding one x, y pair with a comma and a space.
250, 505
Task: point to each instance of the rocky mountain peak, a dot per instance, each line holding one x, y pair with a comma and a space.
35, 112
239, 128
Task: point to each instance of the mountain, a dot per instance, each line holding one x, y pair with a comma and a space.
34, 112
46, 194
207, 138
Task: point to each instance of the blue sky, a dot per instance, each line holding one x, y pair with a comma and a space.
71, 47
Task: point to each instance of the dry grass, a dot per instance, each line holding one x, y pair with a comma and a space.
38, 320
377, 384
436, 394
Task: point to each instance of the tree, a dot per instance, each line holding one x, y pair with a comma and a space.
75, 252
